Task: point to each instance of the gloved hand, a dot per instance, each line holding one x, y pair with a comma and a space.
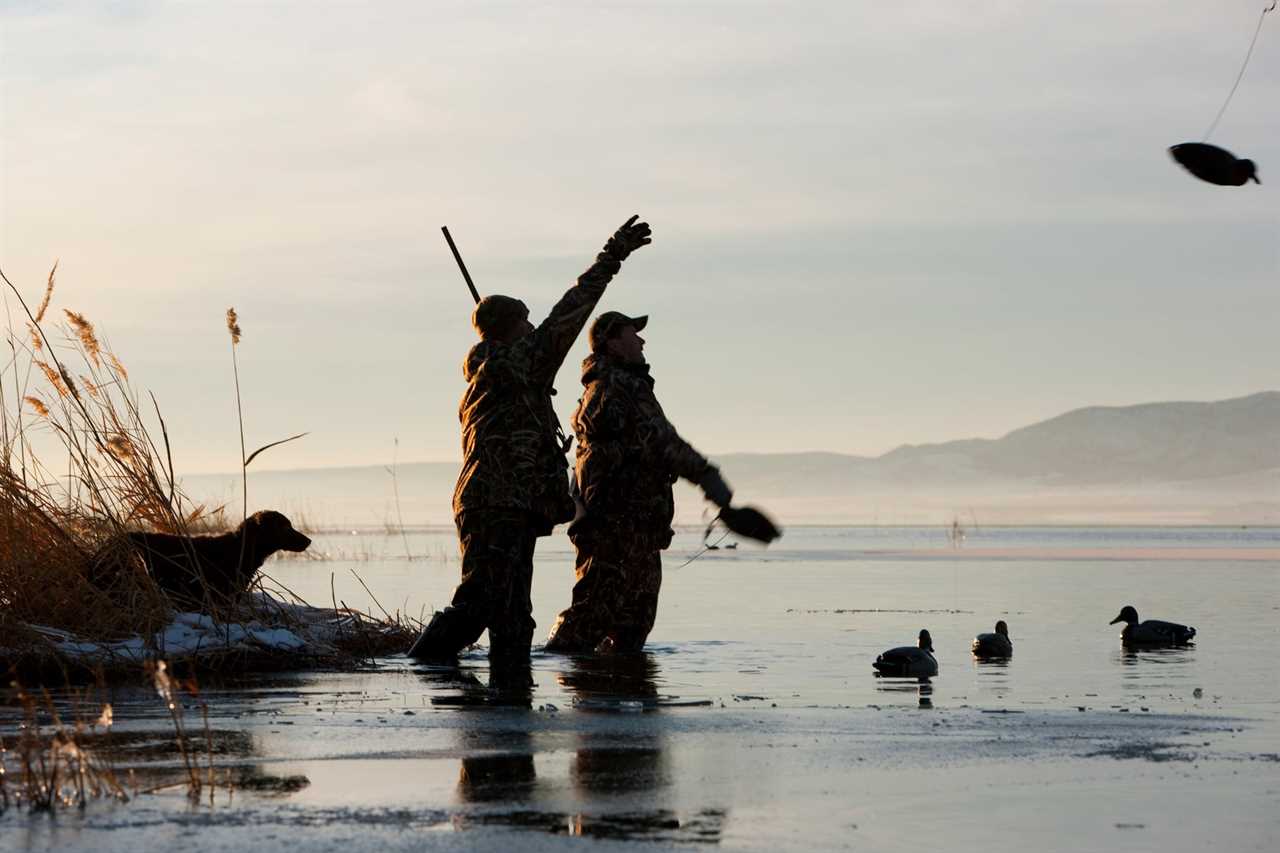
715, 488
631, 236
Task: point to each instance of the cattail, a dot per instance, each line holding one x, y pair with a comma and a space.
36, 403
233, 326
48, 294
84, 329
55, 379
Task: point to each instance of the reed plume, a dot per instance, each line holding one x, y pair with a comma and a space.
233, 326
117, 366
36, 403
54, 377
120, 447
48, 294
84, 331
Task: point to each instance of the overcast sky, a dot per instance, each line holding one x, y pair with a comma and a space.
874, 223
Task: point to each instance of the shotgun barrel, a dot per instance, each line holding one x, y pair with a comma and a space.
475, 294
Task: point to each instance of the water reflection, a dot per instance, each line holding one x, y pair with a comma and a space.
453, 686
630, 772
1137, 656
498, 765
993, 675
705, 826
616, 682
159, 759
603, 762
1155, 667
921, 688
503, 776
1153, 672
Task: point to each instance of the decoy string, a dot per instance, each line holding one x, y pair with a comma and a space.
706, 534
1248, 55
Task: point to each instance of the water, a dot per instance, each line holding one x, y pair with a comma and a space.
755, 721
807, 615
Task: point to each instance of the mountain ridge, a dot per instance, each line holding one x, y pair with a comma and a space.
1184, 461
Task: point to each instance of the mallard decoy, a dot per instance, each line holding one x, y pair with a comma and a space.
1153, 632
997, 645
1215, 165
909, 661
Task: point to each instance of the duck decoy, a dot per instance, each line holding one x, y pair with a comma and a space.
909, 661
1215, 165
997, 645
749, 523
1153, 632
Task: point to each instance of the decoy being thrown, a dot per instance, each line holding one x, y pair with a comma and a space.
1215, 165
1209, 162
1153, 632
997, 645
909, 661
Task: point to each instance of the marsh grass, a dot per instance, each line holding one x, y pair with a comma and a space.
66, 396
51, 764
65, 759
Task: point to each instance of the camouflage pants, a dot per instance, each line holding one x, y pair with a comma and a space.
497, 572
615, 597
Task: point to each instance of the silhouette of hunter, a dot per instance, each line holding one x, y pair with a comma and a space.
513, 486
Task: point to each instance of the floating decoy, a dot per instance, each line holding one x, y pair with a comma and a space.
909, 661
1153, 632
1215, 165
997, 645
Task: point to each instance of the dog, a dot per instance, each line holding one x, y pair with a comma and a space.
196, 572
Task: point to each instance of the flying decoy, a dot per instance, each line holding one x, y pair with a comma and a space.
749, 523
1153, 632
997, 645
909, 661
1215, 165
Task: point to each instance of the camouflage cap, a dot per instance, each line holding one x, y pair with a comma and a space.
609, 324
494, 312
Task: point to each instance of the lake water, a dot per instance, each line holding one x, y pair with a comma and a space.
754, 720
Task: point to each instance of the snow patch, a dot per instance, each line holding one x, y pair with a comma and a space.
194, 634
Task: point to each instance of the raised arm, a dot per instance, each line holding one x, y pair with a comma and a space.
555, 335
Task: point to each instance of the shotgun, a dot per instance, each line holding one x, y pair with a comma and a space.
475, 294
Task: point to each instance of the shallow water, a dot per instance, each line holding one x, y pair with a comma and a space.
754, 720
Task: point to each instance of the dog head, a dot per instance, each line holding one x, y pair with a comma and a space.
271, 531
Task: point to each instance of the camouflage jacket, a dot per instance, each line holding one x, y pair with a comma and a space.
629, 455
512, 457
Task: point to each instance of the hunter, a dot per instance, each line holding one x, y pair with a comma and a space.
513, 487
628, 456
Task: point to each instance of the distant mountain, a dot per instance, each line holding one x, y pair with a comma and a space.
1152, 442
1159, 462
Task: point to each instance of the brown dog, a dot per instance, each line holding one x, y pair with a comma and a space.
197, 571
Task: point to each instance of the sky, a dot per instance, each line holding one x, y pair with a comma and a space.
874, 223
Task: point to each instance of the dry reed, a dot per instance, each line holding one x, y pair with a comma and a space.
112, 474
